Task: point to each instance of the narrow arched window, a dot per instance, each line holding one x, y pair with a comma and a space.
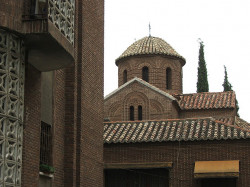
145, 73
125, 74
139, 112
168, 78
131, 113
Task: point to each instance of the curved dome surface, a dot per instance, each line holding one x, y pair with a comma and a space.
150, 45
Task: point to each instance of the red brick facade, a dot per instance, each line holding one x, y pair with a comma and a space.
154, 104
77, 99
183, 155
157, 66
31, 131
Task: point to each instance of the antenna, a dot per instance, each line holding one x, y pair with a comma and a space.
149, 28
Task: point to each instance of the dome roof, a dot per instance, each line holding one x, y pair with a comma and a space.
150, 45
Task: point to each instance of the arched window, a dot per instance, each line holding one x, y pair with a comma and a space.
145, 73
131, 113
139, 112
125, 74
168, 78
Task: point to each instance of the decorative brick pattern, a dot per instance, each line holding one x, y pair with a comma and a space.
156, 104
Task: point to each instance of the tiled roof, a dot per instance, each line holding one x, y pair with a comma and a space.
207, 100
236, 121
241, 123
150, 45
136, 79
171, 130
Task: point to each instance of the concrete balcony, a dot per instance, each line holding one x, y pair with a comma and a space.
49, 34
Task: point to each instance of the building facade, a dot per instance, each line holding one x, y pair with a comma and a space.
51, 52
155, 135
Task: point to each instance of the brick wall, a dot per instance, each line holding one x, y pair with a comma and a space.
154, 105
11, 14
32, 124
90, 94
183, 155
70, 128
80, 92
157, 71
218, 113
78, 97
58, 127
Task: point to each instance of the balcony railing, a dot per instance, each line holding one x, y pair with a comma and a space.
60, 12
49, 29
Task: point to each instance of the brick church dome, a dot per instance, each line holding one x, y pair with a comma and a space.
150, 46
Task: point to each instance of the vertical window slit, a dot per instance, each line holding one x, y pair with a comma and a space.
139, 112
145, 73
131, 113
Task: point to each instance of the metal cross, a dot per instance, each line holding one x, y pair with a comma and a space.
149, 27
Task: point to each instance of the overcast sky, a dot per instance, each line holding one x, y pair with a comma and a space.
223, 26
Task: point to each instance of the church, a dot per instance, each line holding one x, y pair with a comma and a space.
155, 135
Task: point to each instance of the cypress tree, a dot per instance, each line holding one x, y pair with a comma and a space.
228, 87
202, 83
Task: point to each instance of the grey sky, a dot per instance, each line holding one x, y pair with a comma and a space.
223, 26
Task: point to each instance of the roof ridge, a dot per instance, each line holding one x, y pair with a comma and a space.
202, 93
171, 119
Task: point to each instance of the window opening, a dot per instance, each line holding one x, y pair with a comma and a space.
131, 113
139, 112
45, 144
145, 73
168, 78
137, 177
38, 9
125, 74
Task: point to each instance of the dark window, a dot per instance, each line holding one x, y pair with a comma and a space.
125, 74
38, 9
131, 113
45, 144
168, 79
136, 177
218, 182
139, 112
145, 73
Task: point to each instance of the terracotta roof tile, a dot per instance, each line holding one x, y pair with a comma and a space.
236, 121
172, 130
207, 100
241, 123
150, 45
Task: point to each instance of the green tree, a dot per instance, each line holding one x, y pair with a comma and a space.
226, 84
202, 83
228, 87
